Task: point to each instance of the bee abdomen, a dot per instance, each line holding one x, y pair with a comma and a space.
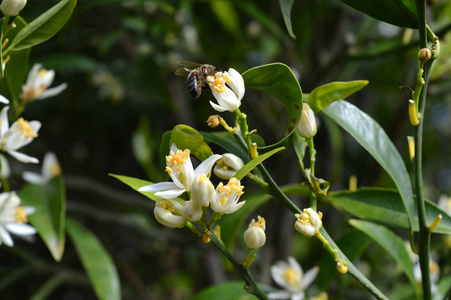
194, 85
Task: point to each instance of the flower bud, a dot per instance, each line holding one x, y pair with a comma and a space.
213, 121
192, 211
169, 213
308, 223
12, 7
202, 190
424, 55
255, 236
307, 125
341, 268
227, 166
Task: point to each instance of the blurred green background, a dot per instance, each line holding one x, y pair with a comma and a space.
119, 58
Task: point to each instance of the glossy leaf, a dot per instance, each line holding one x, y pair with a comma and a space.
277, 80
17, 67
385, 206
322, 96
97, 262
49, 218
353, 243
373, 138
299, 144
401, 13
285, 6
136, 183
391, 243
231, 290
186, 137
255, 162
226, 141
44, 27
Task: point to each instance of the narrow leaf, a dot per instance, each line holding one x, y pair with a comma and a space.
285, 6
374, 139
322, 96
186, 137
391, 243
136, 183
255, 162
45, 26
226, 141
401, 13
279, 81
97, 262
231, 290
49, 218
385, 206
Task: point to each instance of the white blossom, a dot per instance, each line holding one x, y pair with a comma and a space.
50, 168
38, 81
255, 236
192, 211
308, 222
227, 166
169, 212
228, 89
227, 197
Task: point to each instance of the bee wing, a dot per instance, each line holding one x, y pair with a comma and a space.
188, 64
182, 72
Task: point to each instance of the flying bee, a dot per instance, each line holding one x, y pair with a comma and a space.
197, 76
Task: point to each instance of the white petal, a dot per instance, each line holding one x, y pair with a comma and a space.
309, 277
4, 100
20, 228
29, 210
4, 125
295, 265
234, 207
5, 237
224, 174
5, 171
23, 157
217, 107
53, 91
298, 296
33, 178
237, 84
170, 194
279, 295
173, 148
48, 164
158, 187
206, 165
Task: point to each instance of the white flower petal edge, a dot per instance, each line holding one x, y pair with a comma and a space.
4, 100
23, 157
53, 91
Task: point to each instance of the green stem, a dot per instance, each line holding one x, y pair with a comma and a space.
312, 151
251, 286
242, 121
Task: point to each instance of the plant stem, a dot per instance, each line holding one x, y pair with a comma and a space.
312, 151
251, 285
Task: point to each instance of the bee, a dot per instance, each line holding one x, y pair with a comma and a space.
197, 76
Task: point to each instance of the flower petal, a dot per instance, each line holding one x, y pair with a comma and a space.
158, 187
309, 277
5, 237
217, 107
206, 165
52, 92
237, 84
4, 100
21, 228
170, 194
4, 125
33, 178
23, 157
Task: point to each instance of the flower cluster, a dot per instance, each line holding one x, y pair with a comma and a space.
224, 199
308, 222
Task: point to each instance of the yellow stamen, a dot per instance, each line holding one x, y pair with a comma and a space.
352, 183
25, 128
55, 169
290, 275
21, 216
42, 72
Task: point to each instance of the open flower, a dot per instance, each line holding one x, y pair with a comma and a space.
182, 173
290, 276
226, 200
13, 218
227, 166
228, 89
21, 133
308, 222
38, 81
169, 212
255, 236
50, 168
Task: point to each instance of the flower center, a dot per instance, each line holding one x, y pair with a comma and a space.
218, 82
21, 216
176, 160
25, 128
55, 169
290, 276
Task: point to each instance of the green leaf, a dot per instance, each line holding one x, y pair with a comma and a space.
373, 138
231, 290
49, 201
226, 141
385, 206
97, 262
255, 162
135, 184
186, 137
402, 13
277, 80
391, 243
17, 67
322, 96
444, 288
226, 15
285, 6
300, 144
353, 243
44, 27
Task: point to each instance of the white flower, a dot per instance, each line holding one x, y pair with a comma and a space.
50, 168
308, 223
38, 81
12, 7
202, 190
182, 173
307, 124
192, 211
169, 212
5, 170
226, 200
21, 133
291, 277
13, 218
255, 236
227, 166
228, 89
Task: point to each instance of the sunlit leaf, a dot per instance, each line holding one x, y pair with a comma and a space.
401, 13
231, 290
385, 206
322, 96
391, 243
255, 162
49, 201
44, 27
186, 137
136, 183
285, 6
97, 262
373, 138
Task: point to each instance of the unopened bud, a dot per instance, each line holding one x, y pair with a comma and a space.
227, 166
411, 142
213, 121
169, 213
192, 211
255, 236
254, 152
307, 124
12, 7
341, 268
424, 55
202, 190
